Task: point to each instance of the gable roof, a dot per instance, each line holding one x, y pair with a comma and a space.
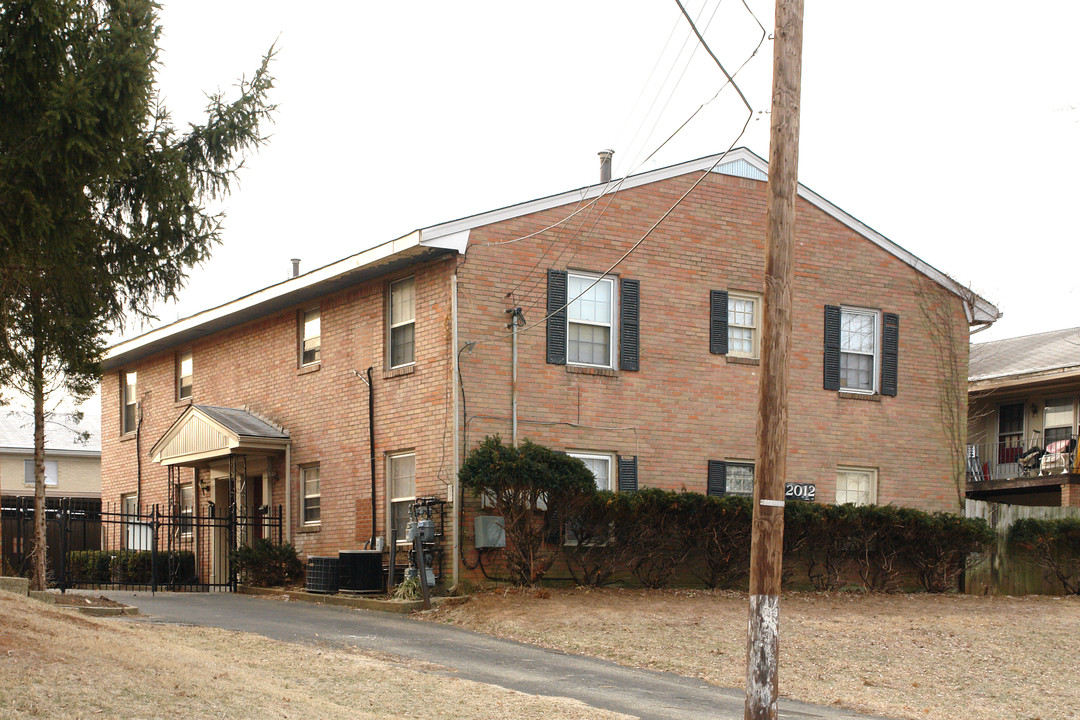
62, 435
453, 237
207, 432
1051, 354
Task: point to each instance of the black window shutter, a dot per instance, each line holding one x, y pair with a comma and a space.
556, 324
718, 322
627, 473
890, 348
629, 330
832, 347
717, 481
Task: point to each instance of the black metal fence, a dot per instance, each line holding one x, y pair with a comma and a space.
157, 547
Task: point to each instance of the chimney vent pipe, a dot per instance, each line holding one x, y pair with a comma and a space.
295, 267
605, 165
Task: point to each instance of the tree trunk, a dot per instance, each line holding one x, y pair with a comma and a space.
39, 581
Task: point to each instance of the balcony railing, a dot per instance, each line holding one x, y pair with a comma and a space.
1005, 460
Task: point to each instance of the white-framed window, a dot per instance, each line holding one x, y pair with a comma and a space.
187, 510
402, 322
590, 320
185, 377
310, 336
856, 485
739, 478
599, 465
859, 350
1058, 419
129, 505
744, 320
309, 483
129, 402
52, 473
401, 489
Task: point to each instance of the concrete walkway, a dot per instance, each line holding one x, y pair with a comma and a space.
641, 693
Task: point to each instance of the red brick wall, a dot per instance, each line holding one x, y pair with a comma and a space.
686, 406
325, 411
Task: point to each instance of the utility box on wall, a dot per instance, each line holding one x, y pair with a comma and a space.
489, 531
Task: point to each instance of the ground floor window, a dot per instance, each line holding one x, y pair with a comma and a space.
309, 481
856, 485
401, 488
599, 465
187, 509
740, 478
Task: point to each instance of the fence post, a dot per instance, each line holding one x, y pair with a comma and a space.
153, 550
63, 518
232, 546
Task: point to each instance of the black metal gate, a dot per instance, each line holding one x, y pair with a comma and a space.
156, 547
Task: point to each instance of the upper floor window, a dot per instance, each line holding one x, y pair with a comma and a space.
856, 485
858, 350
589, 320
1057, 419
128, 401
403, 322
599, 465
743, 322
311, 337
52, 473
184, 376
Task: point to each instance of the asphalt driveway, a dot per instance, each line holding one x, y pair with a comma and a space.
643, 693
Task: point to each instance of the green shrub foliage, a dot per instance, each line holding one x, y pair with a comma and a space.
133, 567
940, 546
267, 564
1053, 545
717, 531
654, 534
532, 487
594, 546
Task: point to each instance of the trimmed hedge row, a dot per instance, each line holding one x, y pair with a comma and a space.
659, 536
129, 566
1053, 545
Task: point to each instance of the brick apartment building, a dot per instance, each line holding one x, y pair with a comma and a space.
649, 373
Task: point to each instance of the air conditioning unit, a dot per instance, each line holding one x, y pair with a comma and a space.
322, 574
360, 570
489, 531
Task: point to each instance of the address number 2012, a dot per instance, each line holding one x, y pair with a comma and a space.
800, 491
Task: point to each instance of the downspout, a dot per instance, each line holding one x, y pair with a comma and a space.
371, 449
138, 459
515, 315
288, 492
455, 390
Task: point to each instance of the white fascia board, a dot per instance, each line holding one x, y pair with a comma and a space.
323, 274
51, 454
979, 311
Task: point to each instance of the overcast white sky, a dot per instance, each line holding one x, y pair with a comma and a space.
951, 128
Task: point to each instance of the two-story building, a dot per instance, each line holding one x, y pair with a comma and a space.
580, 321
1022, 414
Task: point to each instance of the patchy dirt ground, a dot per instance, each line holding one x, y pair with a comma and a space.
942, 657
59, 664
78, 600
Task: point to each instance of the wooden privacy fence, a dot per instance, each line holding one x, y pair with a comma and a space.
1003, 571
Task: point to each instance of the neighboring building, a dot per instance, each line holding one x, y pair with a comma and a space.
1022, 419
72, 459
649, 375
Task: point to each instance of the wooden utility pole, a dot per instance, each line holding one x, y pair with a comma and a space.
766, 549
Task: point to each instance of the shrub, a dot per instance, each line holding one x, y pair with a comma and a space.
654, 534
719, 529
131, 567
877, 542
940, 546
531, 487
265, 563
594, 547
1053, 545
821, 538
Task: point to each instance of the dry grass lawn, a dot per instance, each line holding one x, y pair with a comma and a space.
941, 657
58, 664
